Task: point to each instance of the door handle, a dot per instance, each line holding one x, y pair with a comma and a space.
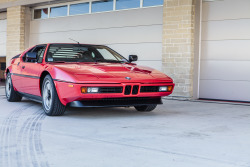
23, 67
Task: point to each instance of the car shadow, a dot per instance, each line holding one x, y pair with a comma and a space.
99, 112
105, 112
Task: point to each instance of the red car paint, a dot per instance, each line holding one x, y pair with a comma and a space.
70, 77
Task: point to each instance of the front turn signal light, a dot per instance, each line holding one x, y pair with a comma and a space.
84, 89
170, 88
71, 86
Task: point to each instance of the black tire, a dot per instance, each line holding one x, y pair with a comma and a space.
52, 105
11, 94
146, 108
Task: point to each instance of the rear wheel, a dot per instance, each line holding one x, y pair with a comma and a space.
52, 105
146, 108
11, 94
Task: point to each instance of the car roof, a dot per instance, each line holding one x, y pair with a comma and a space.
69, 44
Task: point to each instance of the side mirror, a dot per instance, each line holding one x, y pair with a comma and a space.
133, 58
31, 55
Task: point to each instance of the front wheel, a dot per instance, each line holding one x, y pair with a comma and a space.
52, 105
146, 108
11, 94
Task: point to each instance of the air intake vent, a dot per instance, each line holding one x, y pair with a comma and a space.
127, 90
135, 89
145, 89
110, 90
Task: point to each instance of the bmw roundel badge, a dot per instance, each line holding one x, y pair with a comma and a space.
128, 78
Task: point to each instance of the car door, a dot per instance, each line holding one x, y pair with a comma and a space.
31, 71
16, 73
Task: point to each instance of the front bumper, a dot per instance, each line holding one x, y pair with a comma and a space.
70, 94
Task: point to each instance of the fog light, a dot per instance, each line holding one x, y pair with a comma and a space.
93, 90
163, 88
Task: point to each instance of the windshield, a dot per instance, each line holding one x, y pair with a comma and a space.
82, 53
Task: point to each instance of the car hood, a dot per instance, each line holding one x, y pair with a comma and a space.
111, 72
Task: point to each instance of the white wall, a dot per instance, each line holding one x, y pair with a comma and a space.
3, 34
225, 50
137, 31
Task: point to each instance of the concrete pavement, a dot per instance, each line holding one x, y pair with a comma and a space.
176, 134
2, 83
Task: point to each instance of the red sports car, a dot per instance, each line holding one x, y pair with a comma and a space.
80, 75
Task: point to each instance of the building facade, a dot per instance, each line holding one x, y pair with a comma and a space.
201, 44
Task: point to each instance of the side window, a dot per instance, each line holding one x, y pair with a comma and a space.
24, 56
93, 55
40, 52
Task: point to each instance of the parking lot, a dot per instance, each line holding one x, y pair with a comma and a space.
176, 134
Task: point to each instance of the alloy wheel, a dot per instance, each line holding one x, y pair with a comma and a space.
47, 95
8, 86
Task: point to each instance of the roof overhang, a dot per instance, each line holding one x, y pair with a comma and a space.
5, 5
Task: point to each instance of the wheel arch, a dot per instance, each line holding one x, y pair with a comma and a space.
7, 71
43, 75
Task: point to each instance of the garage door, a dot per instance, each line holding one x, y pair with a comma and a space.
133, 31
225, 50
3, 29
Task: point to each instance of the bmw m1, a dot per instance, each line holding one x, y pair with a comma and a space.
79, 75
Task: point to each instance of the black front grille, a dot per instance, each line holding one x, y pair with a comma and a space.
110, 89
135, 89
127, 90
145, 89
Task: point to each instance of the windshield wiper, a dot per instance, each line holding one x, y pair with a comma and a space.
108, 61
57, 62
